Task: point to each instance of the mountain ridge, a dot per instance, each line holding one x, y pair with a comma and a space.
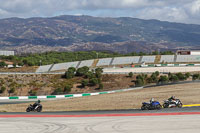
84, 33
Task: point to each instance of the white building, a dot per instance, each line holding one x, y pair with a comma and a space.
7, 53
188, 52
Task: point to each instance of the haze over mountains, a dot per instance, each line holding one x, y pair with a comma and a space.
84, 33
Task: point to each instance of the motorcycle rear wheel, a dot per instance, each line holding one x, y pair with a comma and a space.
39, 109
28, 110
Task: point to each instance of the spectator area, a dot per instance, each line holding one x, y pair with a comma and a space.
64, 66
125, 60
87, 63
188, 58
42, 69
167, 58
104, 62
148, 59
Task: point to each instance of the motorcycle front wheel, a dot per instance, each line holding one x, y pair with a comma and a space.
158, 107
165, 105
180, 105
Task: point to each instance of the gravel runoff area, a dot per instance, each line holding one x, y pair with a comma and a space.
187, 93
153, 69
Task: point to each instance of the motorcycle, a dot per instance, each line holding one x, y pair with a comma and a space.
172, 104
37, 108
151, 106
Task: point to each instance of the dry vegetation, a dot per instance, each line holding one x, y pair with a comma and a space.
22, 69
46, 84
188, 93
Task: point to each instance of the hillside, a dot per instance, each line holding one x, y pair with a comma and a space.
83, 33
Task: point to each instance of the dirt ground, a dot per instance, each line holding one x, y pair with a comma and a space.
187, 93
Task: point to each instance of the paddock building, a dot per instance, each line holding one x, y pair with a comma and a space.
188, 52
7, 53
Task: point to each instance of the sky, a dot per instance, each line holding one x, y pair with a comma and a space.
183, 11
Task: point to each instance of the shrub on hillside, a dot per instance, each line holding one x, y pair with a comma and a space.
82, 71
57, 91
12, 90
101, 86
163, 79
157, 73
187, 75
130, 74
173, 78
139, 82
154, 77
70, 73
33, 92
68, 88
2, 64
93, 81
195, 76
2, 90
181, 76
84, 82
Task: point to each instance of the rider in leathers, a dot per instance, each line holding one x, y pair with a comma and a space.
36, 103
172, 99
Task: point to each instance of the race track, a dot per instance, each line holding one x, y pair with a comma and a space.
100, 121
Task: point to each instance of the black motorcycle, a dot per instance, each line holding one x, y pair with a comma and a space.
172, 103
37, 108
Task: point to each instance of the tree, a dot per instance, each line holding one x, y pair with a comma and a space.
173, 78
181, 76
70, 73
154, 77
98, 72
143, 77
157, 73
163, 79
139, 82
68, 88
30, 63
57, 91
130, 74
195, 76
2, 64
82, 71
2, 89
93, 81
20, 64
187, 75
12, 90
14, 65
25, 61
72, 69
90, 75
33, 92
84, 82
101, 86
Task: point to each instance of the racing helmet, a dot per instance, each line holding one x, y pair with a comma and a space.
38, 101
173, 97
152, 100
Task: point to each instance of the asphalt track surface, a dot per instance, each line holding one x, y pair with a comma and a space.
175, 120
129, 111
